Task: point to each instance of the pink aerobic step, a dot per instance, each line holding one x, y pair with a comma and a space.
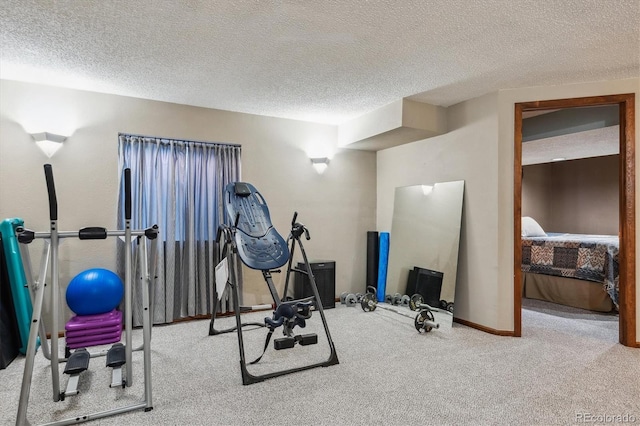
84, 341
92, 330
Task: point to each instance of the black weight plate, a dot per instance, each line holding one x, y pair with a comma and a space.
368, 302
389, 299
429, 315
343, 297
423, 315
450, 307
443, 304
419, 323
415, 301
404, 301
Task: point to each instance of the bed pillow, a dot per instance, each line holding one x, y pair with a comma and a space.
531, 228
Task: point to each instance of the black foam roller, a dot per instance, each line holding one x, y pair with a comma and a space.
372, 259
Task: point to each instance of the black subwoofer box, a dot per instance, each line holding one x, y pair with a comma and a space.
324, 273
426, 283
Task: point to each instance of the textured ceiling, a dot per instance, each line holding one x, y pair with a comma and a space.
326, 60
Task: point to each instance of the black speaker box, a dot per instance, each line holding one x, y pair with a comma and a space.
324, 273
429, 285
411, 283
426, 283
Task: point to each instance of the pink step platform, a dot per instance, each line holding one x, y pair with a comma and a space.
93, 330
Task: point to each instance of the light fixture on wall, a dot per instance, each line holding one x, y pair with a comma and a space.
426, 189
48, 142
320, 164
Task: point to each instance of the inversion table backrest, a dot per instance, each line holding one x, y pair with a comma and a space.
259, 244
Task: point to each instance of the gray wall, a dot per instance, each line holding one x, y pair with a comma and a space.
479, 148
578, 196
338, 207
469, 152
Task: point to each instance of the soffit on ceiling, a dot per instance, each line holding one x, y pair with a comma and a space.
570, 134
587, 144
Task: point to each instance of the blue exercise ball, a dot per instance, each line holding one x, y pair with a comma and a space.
94, 291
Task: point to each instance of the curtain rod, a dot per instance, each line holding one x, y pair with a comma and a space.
180, 140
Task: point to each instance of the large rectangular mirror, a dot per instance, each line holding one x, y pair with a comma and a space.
424, 242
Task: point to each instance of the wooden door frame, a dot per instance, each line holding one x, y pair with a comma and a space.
627, 212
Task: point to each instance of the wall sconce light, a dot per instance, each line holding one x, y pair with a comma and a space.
426, 189
320, 164
48, 142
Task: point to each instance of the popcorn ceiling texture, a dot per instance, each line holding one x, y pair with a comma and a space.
327, 60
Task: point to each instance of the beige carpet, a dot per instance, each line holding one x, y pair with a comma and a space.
567, 366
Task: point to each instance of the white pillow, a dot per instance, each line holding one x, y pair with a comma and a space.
531, 228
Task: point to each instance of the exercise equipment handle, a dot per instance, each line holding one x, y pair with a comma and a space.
92, 233
297, 229
51, 189
127, 194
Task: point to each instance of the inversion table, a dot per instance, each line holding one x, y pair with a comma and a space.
253, 239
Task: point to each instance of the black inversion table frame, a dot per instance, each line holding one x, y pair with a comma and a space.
253, 239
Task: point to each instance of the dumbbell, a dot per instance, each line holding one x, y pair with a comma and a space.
447, 306
404, 300
417, 301
397, 299
350, 299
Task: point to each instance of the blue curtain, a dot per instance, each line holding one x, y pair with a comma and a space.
178, 185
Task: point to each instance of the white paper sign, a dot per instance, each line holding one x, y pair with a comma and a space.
222, 276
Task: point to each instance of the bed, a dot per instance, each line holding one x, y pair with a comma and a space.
576, 270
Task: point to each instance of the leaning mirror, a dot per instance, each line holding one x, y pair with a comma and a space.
423, 249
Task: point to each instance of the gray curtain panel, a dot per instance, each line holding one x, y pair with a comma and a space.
179, 186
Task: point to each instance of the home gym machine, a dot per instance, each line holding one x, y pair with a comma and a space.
118, 355
254, 240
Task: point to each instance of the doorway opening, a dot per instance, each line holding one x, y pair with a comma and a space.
626, 208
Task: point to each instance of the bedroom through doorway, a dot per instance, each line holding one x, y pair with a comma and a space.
574, 211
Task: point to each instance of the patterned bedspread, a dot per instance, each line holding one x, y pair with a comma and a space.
585, 257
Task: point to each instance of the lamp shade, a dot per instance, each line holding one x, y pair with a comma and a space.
49, 143
320, 164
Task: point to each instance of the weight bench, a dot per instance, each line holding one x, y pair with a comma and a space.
253, 239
